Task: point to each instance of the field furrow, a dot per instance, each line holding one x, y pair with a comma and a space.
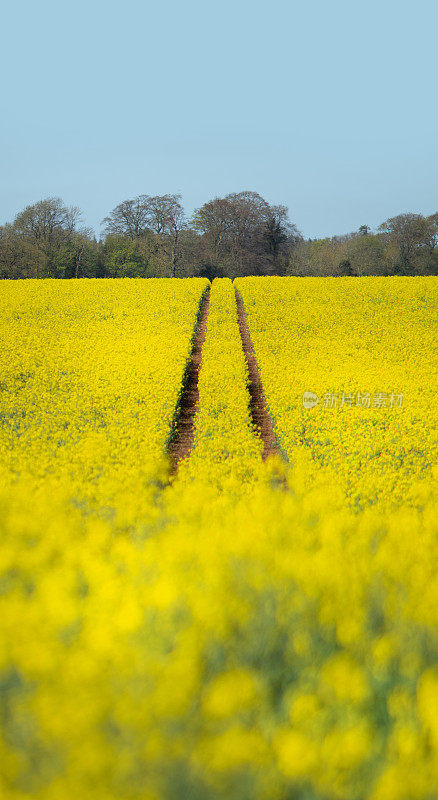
259, 411
349, 370
181, 438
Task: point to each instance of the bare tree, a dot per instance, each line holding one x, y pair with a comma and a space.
166, 219
130, 218
47, 219
243, 234
214, 221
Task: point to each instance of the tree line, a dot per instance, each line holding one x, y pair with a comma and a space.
236, 235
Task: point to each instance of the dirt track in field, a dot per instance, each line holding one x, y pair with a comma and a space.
258, 408
183, 433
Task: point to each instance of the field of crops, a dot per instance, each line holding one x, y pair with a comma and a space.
241, 628
369, 357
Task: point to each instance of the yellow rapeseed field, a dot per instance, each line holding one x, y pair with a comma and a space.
90, 378
367, 349
244, 630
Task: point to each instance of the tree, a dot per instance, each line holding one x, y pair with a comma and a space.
130, 218
214, 222
156, 221
242, 234
317, 257
345, 268
167, 221
47, 227
83, 247
280, 236
274, 236
410, 239
17, 255
366, 254
79, 257
122, 258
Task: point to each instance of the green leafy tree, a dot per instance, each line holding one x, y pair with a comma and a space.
122, 258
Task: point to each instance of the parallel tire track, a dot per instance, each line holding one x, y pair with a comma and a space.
181, 440
258, 408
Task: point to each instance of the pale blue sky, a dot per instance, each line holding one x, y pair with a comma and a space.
328, 107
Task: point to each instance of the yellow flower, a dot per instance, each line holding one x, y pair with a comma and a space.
296, 754
344, 678
232, 692
427, 698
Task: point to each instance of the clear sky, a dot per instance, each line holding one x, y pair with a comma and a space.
327, 107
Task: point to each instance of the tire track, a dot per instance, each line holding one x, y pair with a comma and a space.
259, 411
183, 429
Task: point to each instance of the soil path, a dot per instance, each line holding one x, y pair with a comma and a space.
258, 408
183, 429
